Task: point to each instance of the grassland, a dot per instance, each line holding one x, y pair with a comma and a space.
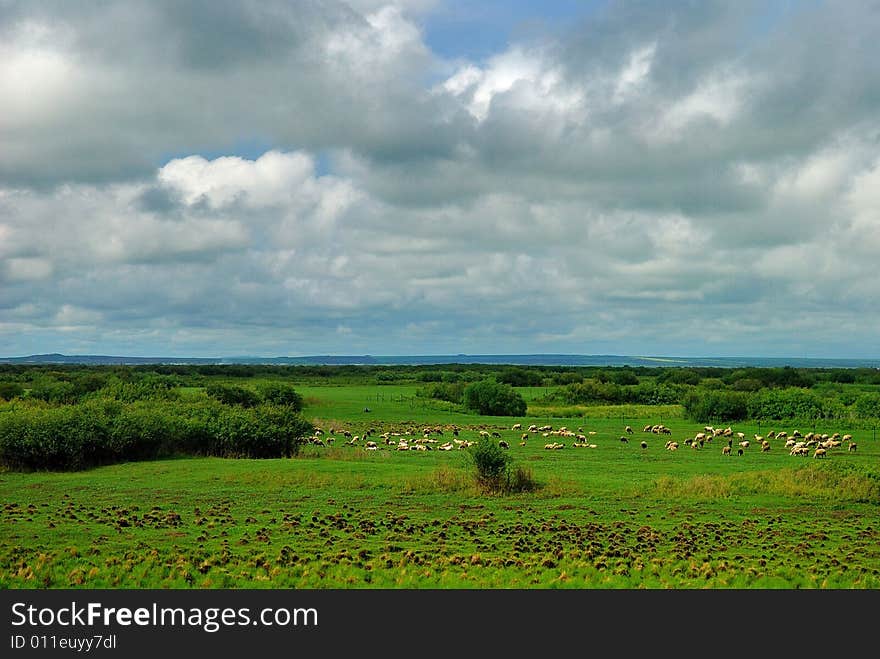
614, 516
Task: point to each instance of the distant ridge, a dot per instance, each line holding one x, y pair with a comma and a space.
417, 360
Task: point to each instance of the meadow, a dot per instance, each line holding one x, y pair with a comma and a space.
604, 513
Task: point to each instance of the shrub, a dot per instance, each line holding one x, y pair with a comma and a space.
278, 393
10, 390
711, 406
680, 375
52, 438
867, 406
101, 432
488, 397
789, 403
233, 395
452, 392
521, 377
49, 389
491, 462
495, 472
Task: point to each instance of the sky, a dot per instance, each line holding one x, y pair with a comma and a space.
214, 178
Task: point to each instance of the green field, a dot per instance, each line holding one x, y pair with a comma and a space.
608, 515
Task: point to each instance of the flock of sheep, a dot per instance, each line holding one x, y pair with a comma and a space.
429, 438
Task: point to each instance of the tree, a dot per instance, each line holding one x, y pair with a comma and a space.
280, 393
489, 397
233, 395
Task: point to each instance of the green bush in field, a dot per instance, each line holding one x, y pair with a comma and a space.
867, 406
521, 377
489, 397
792, 403
262, 432
229, 394
99, 432
452, 392
51, 438
10, 390
279, 393
50, 390
710, 406
491, 462
495, 471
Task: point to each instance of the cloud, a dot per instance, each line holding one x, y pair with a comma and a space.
219, 178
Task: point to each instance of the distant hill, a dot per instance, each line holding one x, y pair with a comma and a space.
519, 360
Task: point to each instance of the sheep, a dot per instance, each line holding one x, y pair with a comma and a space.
765, 446
820, 453
644, 444
503, 444
739, 451
851, 446
524, 437
516, 426
628, 430
725, 450
744, 443
624, 439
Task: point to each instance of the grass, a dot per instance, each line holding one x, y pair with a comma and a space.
613, 516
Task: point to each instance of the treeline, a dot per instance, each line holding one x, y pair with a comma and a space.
748, 379
716, 402
88, 420
487, 396
708, 405
102, 432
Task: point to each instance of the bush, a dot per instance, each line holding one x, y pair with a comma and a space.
52, 438
489, 397
495, 472
867, 406
261, 432
233, 395
452, 392
569, 377
101, 432
10, 390
521, 377
49, 389
789, 403
491, 462
278, 393
712, 406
